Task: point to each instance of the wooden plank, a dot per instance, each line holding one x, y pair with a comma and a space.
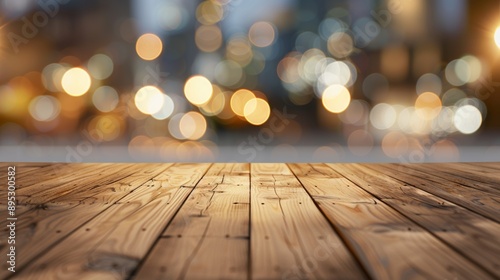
489, 165
214, 218
53, 176
479, 202
474, 236
462, 177
112, 244
42, 226
61, 174
388, 245
48, 191
20, 170
23, 175
477, 166
236, 169
270, 169
492, 175
290, 238
300, 169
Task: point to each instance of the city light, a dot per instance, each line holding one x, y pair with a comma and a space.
149, 100
76, 81
149, 46
336, 98
198, 90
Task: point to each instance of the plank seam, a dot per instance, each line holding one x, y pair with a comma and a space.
437, 195
150, 250
487, 190
420, 225
79, 227
341, 236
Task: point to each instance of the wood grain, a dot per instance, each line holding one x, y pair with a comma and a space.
382, 238
482, 203
463, 177
290, 238
463, 230
215, 217
112, 244
42, 226
255, 221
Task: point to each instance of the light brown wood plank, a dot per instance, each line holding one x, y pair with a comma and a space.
477, 167
472, 235
290, 238
388, 245
462, 176
23, 175
42, 226
48, 191
112, 244
226, 255
301, 169
491, 175
234, 169
270, 169
479, 202
214, 218
61, 173
489, 165
60, 176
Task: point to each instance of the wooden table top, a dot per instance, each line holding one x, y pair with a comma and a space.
254, 221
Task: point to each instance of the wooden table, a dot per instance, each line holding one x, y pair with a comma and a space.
255, 221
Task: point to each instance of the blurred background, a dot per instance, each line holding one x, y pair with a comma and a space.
249, 80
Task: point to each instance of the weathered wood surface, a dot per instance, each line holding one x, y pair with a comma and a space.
463, 230
290, 238
255, 221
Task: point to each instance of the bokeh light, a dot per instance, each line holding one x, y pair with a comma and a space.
257, 111
216, 104
100, 66
239, 100
395, 144
383, 116
262, 34
149, 46
336, 98
428, 105
166, 109
239, 50
44, 108
76, 81
208, 38
340, 45
149, 100
192, 125
105, 99
52, 75
467, 119
173, 16
228, 73
198, 90
105, 127
467, 69
288, 70
209, 12
475, 68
